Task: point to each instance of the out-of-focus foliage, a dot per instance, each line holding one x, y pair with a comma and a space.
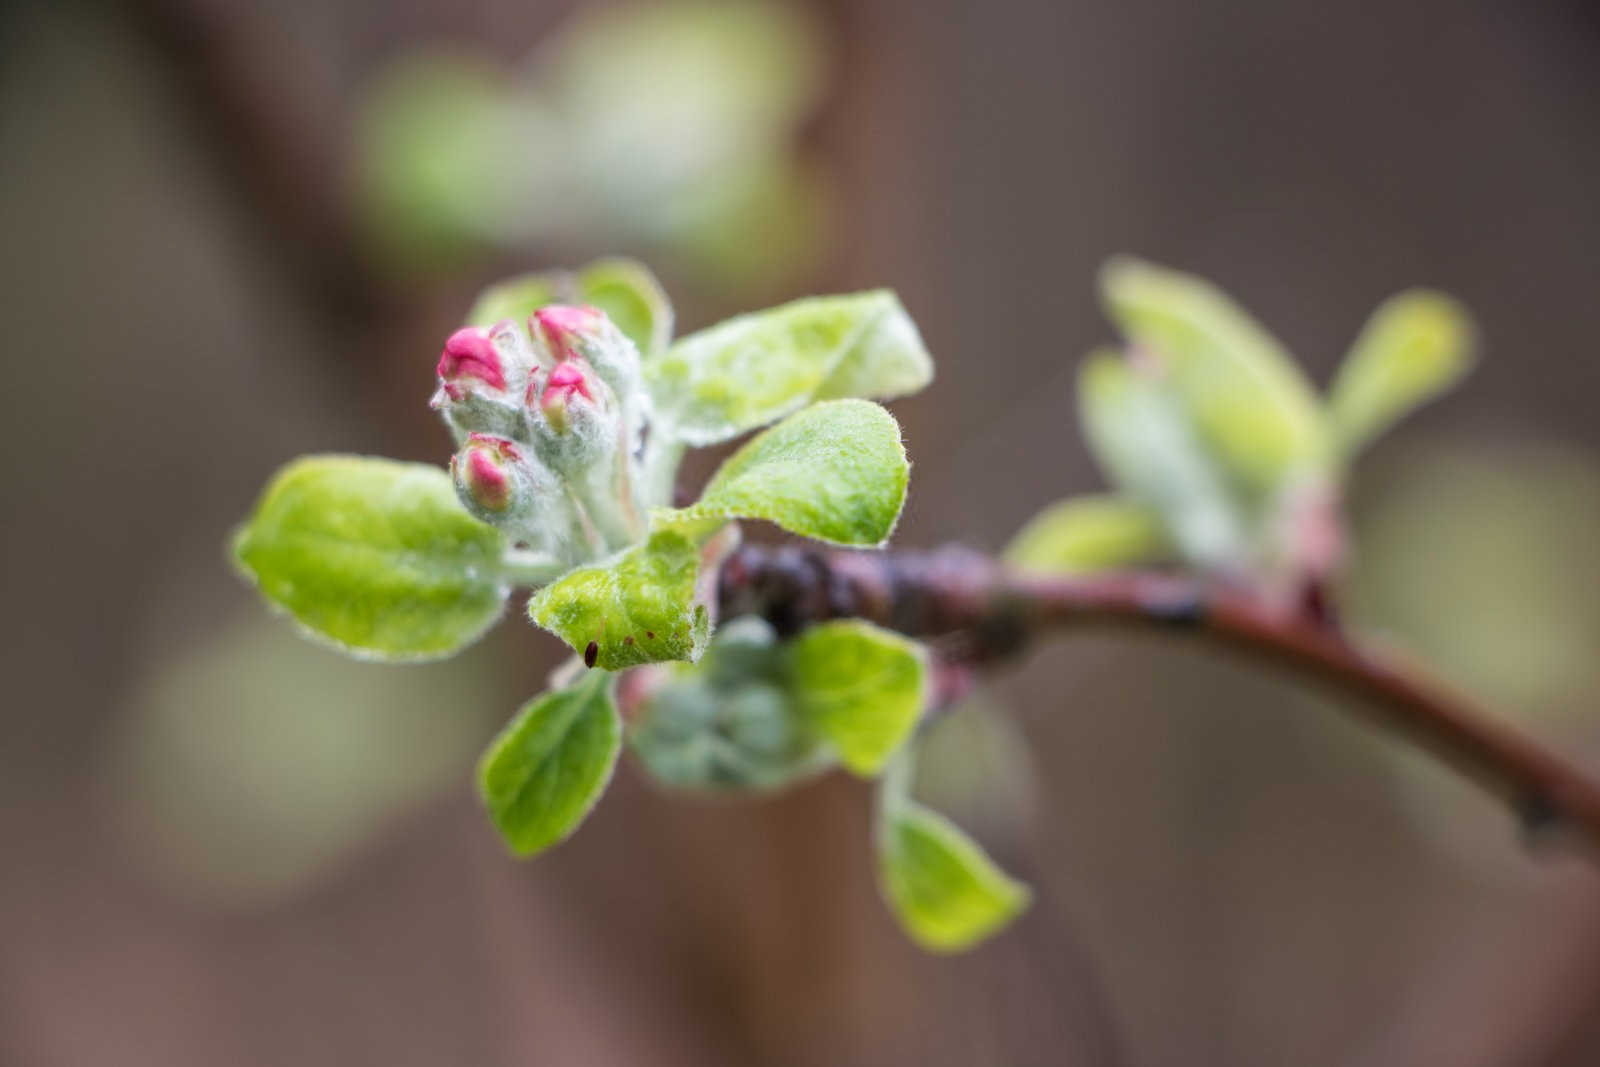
946, 892
1415, 346
727, 722
1151, 453
667, 127
1479, 556
1206, 425
249, 767
757, 713
1249, 404
1089, 533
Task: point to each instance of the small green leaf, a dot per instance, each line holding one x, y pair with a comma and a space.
633, 299
623, 288
859, 686
1089, 533
835, 471
887, 361
518, 298
1148, 450
374, 556
757, 368
1416, 345
946, 892
637, 607
543, 774
1248, 402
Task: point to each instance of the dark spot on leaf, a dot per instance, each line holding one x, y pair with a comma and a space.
591, 654
650, 635
628, 640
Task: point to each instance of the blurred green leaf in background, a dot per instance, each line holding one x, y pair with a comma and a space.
668, 129
253, 764
1477, 556
1222, 454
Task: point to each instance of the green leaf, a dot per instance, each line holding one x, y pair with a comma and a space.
757, 368
859, 686
1248, 402
637, 607
1416, 345
633, 299
623, 288
835, 472
374, 556
1089, 533
518, 298
946, 892
1149, 451
543, 774
889, 360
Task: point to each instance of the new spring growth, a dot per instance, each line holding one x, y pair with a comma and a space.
565, 384
489, 477
548, 414
481, 377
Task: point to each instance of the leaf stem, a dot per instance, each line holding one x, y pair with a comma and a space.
982, 612
663, 451
526, 567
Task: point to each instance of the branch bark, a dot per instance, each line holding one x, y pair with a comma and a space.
980, 612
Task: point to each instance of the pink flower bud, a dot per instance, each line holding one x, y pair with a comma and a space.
470, 354
484, 476
566, 383
566, 328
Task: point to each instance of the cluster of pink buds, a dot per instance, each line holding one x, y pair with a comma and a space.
548, 414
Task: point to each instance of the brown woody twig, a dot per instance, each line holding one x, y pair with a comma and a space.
981, 612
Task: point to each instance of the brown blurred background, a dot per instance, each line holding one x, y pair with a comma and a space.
226, 846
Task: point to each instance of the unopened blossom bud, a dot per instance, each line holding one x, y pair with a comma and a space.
584, 334
515, 350
482, 375
566, 329
563, 387
469, 354
491, 478
574, 418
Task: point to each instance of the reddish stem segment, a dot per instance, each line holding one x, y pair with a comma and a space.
980, 612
